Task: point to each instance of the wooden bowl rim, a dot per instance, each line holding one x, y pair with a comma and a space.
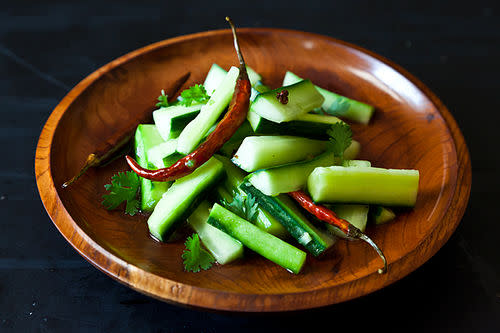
183, 294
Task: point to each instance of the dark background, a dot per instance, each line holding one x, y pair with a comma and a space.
47, 48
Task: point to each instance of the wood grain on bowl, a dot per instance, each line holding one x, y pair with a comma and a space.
411, 129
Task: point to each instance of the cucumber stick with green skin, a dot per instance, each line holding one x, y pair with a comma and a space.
194, 132
262, 152
333, 103
160, 154
214, 78
293, 177
270, 224
170, 121
176, 204
263, 220
302, 98
216, 75
146, 137
316, 241
235, 177
258, 88
165, 154
366, 185
223, 247
357, 215
263, 243
307, 125
381, 215
234, 143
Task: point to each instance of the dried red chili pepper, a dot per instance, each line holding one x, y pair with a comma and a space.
235, 116
326, 215
110, 148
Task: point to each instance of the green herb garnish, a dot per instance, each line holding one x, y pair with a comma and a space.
123, 187
245, 207
162, 100
340, 138
195, 257
195, 95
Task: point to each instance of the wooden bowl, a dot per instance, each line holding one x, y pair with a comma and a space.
411, 129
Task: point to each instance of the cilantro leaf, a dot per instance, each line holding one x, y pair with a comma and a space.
162, 100
123, 187
195, 258
340, 138
196, 94
244, 207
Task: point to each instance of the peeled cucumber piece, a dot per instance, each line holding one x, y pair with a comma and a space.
165, 154
263, 243
352, 151
333, 103
263, 220
223, 247
293, 176
194, 132
356, 163
302, 98
162, 151
357, 215
365, 185
307, 125
184, 194
253, 76
263, 152
381, 215
258, 88
146, 137
216, 75
314, 239
267, 222
214, 78
288, 178
232, 145
170, 121
235, 177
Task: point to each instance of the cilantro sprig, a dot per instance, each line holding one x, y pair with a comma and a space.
245, 207
196, 258
340, 138
162, 100
195, 94
123, 187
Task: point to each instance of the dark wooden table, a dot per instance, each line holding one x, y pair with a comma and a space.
47, 48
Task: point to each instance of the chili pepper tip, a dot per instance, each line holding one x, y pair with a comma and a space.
368, 240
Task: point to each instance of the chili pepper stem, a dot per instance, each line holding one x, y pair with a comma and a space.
234, 117
326, 215
236, 44
92, 160
115, 145
358, 234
